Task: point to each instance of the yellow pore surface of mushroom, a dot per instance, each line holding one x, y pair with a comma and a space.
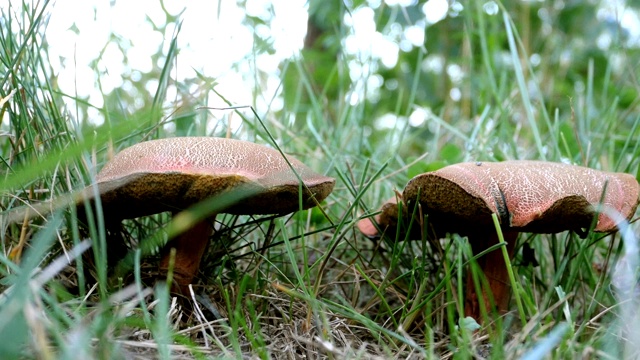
175, 173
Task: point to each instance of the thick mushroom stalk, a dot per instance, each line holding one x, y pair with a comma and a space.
189, 247
494, 269
526, 196
176, 173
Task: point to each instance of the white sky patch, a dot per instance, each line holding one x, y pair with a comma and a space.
289, 27
401, 2
419, 116
386, 50
604, 41
455, 94
368, 45
257, 8
455, 8
433, 63
455, 73
415, 34
617, 11
388, 121
490, 7
366, 42
631, 23
212, 41
535, 59
435, 10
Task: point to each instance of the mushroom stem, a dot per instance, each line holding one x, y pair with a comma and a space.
495, 271
190, 247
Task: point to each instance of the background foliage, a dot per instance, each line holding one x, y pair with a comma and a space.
552, 80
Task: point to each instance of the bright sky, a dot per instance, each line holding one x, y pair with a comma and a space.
211, 41
88, 40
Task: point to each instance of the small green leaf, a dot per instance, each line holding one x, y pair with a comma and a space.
468, 323
451, 153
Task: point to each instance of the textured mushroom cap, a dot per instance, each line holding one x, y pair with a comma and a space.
175, 173
533, 196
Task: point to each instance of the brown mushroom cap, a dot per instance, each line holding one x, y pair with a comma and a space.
175, 173
532, 196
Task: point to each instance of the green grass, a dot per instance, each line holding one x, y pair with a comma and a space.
308, 283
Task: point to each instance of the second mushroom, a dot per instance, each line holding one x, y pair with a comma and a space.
526, 196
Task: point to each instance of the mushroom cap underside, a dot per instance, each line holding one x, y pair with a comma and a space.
145, 194
175, 173
532, 196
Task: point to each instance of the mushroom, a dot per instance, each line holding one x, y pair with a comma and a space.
388, 217
175, 173
526, 196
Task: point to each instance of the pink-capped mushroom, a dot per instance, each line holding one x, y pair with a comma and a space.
174, 174
388, 217
527, 196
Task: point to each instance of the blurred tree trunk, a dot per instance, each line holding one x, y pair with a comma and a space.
320, 64
314, 32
